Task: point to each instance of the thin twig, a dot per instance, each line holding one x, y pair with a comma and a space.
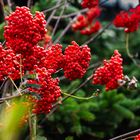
79, 98
53, 8
95, 65
126, 135
78, 88
98, 34
3, 83
65, 30
14, 96
9, 98
4, 42
15, 85
128, 52
9, 5
58, 20
72, 14
72, 93
52, 14
127, 46
131, 137
2, 4
32, 125
29, 3
81, 11
103, 2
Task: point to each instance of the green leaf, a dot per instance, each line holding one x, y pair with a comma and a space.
1, 31
122, 111
36, 95
69, 138
86, 115
41, 138
33, 85
30, 76
77, 128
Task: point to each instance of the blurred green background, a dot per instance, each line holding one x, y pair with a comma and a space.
111, 113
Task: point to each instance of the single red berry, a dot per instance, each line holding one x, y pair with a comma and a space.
137, 137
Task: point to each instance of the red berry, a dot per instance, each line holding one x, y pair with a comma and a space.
137, 137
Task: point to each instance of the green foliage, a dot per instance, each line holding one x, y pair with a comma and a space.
11, 122
41, 138
101, 117
1, 31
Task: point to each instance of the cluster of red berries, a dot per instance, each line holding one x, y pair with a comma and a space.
23, 54
54, 57
87, 23
50, 58
49, 91
129, 20
22, 34
89, 3
137, 137
76, 60
24, 31
9, 64
110, 73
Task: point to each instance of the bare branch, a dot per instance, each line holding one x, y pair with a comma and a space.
9, 5
58, 20
98, 34
2, 5
53, 8
3, 42
52, 14
16, 95
126, 135
29, 3
72, 14
65, 30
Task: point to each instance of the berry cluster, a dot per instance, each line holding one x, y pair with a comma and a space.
129, 20
137, 137
76, 60
54, 57
9, 64
110, 73
23, 54
24, 31
89, 3
49, 91
87, 23
51, 58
